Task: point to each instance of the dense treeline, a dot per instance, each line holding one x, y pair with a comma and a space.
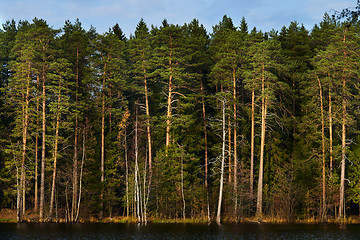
178, 123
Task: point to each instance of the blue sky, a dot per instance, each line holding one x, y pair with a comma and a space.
103, 14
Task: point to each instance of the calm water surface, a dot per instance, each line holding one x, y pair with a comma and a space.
100, 231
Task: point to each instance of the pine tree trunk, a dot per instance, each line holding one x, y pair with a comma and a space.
126, 175
81, 174
102, 146
137, 191
343, 144
75, 171
206, 150
36, 193
148, 131
218, 216
262, 148
182, 182
330, 133
42, 181
168, 115
323, 204
229, 147
343, 159
75, 166
235, 146
24, 142
252, 143
52, 196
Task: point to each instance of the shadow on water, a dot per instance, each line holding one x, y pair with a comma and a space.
100, 231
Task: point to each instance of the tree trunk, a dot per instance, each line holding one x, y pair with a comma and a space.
168, 115
148, 131
343, 144
81, 173
42, 181
55, 152
169, 108
102, 146
262, 148
182, 182
330, 132
36, 193
137, 191
252, 143
235, 146
323, 204
24, 142
75, 166
206, 150
126, 175
218, 216
229, 147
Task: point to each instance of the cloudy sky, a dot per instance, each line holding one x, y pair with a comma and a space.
103, 14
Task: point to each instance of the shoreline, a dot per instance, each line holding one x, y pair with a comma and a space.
9, 216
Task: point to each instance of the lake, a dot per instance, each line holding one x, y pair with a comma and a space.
100, 231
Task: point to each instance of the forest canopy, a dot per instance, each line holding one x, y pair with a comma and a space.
175, 122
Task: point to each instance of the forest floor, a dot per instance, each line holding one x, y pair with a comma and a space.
9, 216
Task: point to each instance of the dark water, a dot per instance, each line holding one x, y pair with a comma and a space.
177, 231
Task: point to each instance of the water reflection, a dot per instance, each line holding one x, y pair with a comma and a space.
100, 231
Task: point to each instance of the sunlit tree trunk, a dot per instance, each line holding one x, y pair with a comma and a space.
323, 203
126, 175
42, 181
75, 166
229, 148
169, 110
36, 193
262, 146
235, 144
330, 133
218, 216
252, 143
137, 191
206, 150
25, 111
52, 196
81, 173
343, 143
102, 145
148, 131
182, 182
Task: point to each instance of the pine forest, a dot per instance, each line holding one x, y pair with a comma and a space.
177, 124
